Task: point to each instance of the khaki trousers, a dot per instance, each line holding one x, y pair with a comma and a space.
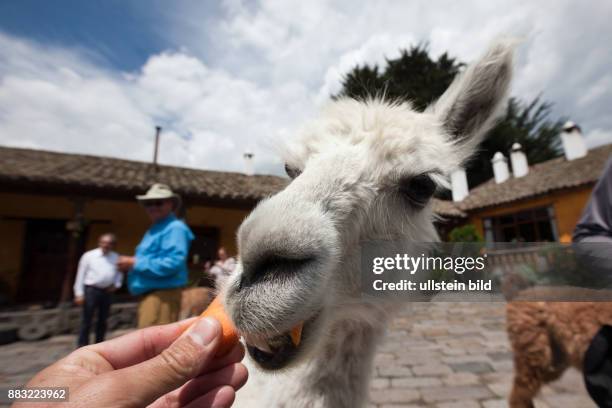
159, 307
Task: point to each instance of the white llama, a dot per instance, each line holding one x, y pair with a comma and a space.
364, 170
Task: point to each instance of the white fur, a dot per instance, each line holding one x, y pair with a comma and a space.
351, 160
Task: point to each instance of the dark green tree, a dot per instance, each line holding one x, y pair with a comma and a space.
527, 124
414, 76
361, 82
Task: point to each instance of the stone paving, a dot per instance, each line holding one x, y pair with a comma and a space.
439, 355
451, 355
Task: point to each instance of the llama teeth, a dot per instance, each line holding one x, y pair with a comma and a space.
258, 342
296, 334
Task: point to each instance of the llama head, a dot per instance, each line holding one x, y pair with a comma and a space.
364, 170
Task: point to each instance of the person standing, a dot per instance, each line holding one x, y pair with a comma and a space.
223, 267
593, 234
593, 250
158, 270
595, 224
97, 278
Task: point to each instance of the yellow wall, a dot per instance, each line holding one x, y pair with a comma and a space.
567, 204
124, 218
127, 220
227, 220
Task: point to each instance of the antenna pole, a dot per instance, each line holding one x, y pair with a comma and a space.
157, 132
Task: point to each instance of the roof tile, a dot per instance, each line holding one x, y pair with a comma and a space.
543, 178
57, 169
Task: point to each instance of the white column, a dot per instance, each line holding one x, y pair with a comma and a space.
459, 185
574, 146
518, 158
500, 167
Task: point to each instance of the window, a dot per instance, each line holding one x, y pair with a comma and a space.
533, 225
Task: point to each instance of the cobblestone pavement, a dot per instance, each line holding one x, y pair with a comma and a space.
441, 355
451, 355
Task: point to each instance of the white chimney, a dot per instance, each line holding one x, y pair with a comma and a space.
573, 142
249, 169
459, 185
518, 158
500, 167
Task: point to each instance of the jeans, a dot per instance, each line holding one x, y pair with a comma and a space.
95, 298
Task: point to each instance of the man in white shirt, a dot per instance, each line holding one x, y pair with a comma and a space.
97, 278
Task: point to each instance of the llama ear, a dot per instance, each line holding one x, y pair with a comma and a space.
470, 105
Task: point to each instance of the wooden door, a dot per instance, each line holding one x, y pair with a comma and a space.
203, 248
45, 259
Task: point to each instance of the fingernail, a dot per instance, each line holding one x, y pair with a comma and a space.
204, 331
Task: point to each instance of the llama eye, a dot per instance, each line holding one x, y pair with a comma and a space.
292, 171
418, 189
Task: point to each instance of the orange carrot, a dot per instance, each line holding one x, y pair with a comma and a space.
229, 332
296, 334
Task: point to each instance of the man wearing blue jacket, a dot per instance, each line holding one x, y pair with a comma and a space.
158, 270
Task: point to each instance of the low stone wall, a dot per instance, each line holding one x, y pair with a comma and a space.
41, 323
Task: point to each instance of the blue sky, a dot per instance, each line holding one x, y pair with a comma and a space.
224, 77
123, 33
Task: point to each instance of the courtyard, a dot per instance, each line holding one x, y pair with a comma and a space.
442, 355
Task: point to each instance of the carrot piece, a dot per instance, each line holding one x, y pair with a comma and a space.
229, 332
296, 334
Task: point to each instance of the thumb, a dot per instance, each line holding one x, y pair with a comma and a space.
173, 367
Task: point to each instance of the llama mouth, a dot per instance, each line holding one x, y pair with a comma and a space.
274, 353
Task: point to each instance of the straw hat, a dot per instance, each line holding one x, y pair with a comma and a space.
158, 191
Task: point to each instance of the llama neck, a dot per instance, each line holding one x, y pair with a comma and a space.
339, 375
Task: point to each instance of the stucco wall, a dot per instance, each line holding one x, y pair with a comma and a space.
124, 218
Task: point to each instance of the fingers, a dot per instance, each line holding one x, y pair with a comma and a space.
140, 345
234, 376
149, 364
221, 397
173, 367
235, 355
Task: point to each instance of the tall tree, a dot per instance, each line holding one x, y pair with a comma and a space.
524, 123
414, 76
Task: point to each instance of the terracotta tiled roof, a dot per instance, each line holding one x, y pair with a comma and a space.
50, 169
61, 170
543, 178
447, 209
71, 171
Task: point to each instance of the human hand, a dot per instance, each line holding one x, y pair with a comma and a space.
125, 263
79, 300
157, 365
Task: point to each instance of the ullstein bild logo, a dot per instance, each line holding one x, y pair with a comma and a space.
432, 285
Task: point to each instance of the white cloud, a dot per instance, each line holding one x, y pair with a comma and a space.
210, 118
598, 137
373, 52
258, 70
564, 54
51, 99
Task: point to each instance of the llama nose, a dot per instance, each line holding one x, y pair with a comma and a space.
275, 266
284, 241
